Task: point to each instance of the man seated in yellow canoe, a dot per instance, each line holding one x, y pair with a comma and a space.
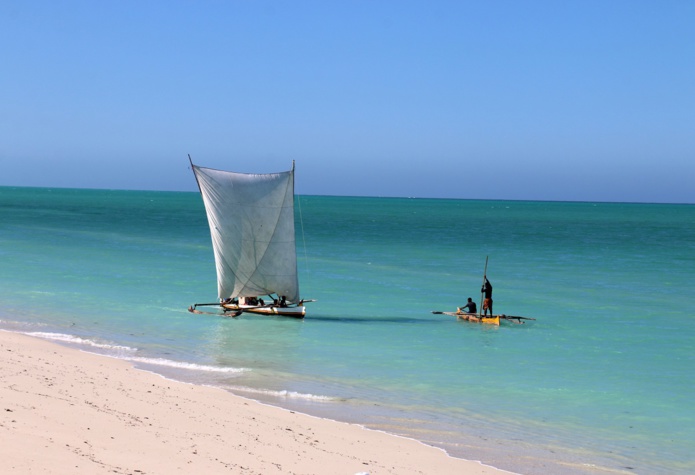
470, 307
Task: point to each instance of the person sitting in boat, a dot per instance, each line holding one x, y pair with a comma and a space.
487, 302
283, 301
470, 307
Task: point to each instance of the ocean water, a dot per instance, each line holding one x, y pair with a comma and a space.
601, 382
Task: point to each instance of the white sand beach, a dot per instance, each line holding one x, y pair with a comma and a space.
65, 411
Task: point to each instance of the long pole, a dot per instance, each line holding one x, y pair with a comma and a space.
480, 310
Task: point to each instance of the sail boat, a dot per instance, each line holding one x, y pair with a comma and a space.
251, 218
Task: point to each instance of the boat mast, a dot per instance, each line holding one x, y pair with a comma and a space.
194, 173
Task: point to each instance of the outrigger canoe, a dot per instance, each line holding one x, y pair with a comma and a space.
489, 320
236, 309
478, 318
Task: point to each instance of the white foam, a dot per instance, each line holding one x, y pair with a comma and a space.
182, 365
283, 394
78, 341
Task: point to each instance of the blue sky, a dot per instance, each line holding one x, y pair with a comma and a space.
541, 100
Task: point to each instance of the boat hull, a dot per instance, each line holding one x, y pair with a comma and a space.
494, 320
295, 312
488, 320
474, 318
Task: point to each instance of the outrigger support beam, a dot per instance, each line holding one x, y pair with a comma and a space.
205, 304
192, 309
502, 316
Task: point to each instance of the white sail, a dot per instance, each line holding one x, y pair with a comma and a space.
251, 218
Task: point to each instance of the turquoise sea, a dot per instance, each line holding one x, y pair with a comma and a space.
601, 382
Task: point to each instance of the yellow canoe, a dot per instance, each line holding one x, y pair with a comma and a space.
491, 320
494, 320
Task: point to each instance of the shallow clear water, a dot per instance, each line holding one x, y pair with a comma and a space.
602, 380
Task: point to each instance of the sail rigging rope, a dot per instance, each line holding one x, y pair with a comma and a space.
301, 224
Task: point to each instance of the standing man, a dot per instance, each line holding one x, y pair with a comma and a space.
487, 303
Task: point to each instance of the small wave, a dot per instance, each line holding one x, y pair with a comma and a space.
283, 394
78, 341
182, 365
75, 340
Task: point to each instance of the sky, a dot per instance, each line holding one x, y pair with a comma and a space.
521, 100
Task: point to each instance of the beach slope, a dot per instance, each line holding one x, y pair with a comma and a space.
66, 411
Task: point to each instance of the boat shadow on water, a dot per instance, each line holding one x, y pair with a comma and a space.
349, 319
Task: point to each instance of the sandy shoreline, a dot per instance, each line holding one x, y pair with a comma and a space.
67, 411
